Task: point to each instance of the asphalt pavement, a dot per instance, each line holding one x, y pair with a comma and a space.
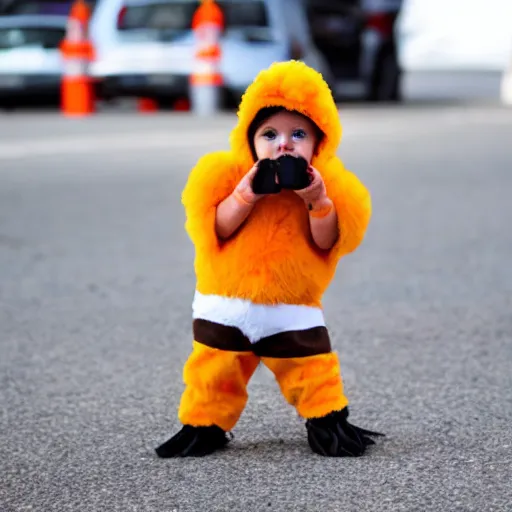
96, 283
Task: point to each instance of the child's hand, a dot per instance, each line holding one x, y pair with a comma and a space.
233, 211
244, 188
315, 192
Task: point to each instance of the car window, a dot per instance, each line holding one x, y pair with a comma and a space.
17, 37
244, 14
178, 15
335, 23
172, 15
59, 7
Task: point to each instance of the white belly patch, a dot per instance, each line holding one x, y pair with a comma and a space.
256, 321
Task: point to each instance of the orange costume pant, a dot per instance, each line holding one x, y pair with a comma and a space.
223, 360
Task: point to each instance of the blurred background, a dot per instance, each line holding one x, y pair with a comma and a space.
368, 50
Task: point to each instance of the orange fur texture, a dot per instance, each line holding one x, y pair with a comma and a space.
216, 385
272, 258
312, 384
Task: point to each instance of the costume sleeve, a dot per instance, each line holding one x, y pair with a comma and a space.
211, 180
353, 206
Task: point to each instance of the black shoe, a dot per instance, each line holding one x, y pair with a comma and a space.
193, 442
334, 436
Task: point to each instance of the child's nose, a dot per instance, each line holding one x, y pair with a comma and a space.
285, 143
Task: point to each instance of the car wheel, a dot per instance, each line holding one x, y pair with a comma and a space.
385, 85
230, 99
8, 105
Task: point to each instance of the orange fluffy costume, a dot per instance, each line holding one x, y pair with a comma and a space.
258, 295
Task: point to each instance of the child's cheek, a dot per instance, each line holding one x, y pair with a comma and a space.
306, 152
264, 149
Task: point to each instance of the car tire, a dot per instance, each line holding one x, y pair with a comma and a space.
8, 105
386, 83
230, 99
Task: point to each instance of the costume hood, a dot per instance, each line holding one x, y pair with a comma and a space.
294, 86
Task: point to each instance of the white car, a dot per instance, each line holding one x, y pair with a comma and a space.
146, 47
30, 61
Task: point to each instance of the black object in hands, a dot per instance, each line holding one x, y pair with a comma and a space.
193, 442
264, 181
334, 436
291, 172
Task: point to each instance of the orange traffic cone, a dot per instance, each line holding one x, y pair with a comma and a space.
77, 89
206, 79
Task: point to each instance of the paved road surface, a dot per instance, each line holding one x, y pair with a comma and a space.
96, 283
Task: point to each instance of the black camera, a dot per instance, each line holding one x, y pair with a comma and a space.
264, 181
291, 173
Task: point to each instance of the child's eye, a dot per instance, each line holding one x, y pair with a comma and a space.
299, 134
269, 134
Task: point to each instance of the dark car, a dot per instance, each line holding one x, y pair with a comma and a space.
357, 39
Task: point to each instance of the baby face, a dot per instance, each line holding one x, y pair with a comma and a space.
285, 133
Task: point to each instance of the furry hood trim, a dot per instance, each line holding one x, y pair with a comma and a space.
294, 86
